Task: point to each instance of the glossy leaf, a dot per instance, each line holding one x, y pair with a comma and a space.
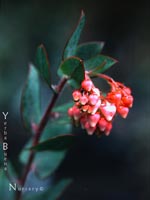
98, 62
58, 143
97, 70
47, 162
30, 101
73, 69
54, 128
53, 193
88, 50
42, 64
72, 43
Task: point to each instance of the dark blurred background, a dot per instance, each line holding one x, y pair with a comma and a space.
115, 167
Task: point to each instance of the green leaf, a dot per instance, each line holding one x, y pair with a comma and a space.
5, 191
54, 128
62, 113
58, 189
47, 162
42, 64
55, 144
73, 69
4, 187
98, 62
30, 101
88, 50
53, 193
97, 69
64, 107
69, 65
74, 39
1, 155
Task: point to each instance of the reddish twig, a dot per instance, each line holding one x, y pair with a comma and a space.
39, 131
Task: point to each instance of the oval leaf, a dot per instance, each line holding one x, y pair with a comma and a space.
46, 162
55, 144
74, 39
88, 50
73, 69
6, 192
42, 64
101, 62
30, 101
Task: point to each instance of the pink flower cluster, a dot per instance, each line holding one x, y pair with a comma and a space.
94, 111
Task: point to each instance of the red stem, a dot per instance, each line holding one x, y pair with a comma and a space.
39, 131
109, 80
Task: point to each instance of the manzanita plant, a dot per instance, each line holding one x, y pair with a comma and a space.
90, 108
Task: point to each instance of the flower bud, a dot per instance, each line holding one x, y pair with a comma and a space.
102, 123
123, 111
108, 128
96, 107
127, 90
87, 85
76, 95
114, 97
85, 108
76, 113
83, 100
93, 98
90, 130
96, 91
93, 119
108, 110
70, 112
127, 101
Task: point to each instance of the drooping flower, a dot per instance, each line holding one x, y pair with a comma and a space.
95, 112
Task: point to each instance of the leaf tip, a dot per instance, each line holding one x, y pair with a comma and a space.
41, 46
102, 43
115, 60
82, 13
30, 66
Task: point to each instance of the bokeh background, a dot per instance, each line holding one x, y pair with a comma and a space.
115, 167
